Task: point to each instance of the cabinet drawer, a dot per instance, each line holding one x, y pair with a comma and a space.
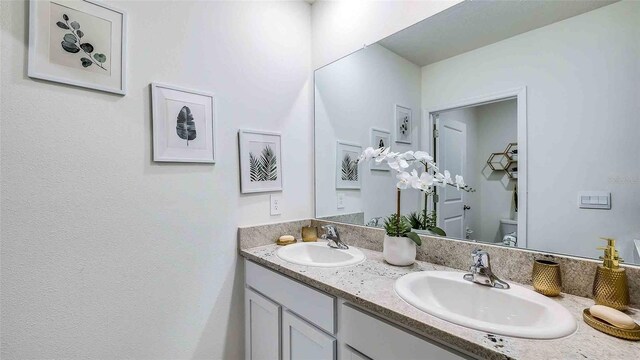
308, 303
378, 339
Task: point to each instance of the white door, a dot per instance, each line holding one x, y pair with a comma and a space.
451, 151
302, 341
262, 327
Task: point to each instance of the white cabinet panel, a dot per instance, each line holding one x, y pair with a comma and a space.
350, 354
302, 341
380, 340
262, 327
310, 304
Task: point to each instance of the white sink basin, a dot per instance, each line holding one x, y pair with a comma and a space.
319, 254
517, 311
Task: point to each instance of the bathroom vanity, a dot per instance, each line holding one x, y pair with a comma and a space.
287, 319
295, 311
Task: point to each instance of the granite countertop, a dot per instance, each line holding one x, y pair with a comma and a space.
371, 285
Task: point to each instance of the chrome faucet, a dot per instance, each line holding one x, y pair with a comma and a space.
481, 271
331, 234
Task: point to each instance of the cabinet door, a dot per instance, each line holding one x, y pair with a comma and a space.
262, 327
302, 341
351, 354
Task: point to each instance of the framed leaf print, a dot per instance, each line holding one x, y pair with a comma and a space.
81, 43
404, 124
260, 161
183, 124
379, 139
347, 167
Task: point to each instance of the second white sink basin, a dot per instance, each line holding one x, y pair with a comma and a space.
319, 254
517, 311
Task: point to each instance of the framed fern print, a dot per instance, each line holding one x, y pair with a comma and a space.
183, 125
78, 42
260, 161
347, 169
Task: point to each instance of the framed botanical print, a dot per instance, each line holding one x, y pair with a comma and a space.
347, 170
260, 161
81, 43
379, 139
404, 124
183, 124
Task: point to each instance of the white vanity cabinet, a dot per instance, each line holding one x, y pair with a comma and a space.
288, 320
285, 319
300, 340
262, 323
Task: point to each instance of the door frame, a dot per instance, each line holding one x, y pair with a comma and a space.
520, 94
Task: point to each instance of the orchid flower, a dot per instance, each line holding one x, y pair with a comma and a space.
405, 179
424, 182
423, 156
367, 154
460, 182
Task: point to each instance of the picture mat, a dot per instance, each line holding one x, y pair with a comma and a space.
39, 35
164, 125
250, 140
97, 32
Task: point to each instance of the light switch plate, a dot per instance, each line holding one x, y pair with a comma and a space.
276, 204
594, 200
340, 201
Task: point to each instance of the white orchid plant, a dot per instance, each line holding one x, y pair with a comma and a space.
406, 165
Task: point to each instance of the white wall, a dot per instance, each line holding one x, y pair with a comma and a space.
583, 79
342, 27
490, 128
106, 254
352, 96
497, 127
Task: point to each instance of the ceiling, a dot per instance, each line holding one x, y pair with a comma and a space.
474, 24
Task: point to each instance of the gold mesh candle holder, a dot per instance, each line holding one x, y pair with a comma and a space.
309, 233
546, 277
610, 288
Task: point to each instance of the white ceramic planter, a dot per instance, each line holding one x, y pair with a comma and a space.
400, 251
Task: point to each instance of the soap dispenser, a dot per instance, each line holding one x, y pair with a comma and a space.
610, 287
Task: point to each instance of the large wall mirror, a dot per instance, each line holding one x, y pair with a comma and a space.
536, 104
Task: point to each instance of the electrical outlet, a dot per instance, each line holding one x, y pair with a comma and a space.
340, 201
276, 204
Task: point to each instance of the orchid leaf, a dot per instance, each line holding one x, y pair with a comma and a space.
438, 231
413, 236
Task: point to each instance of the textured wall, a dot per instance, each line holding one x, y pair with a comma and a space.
106, 254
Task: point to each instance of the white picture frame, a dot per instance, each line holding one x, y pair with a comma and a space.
88, 48
184, 124
404, 124
348, 176
260, 161
379, 138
